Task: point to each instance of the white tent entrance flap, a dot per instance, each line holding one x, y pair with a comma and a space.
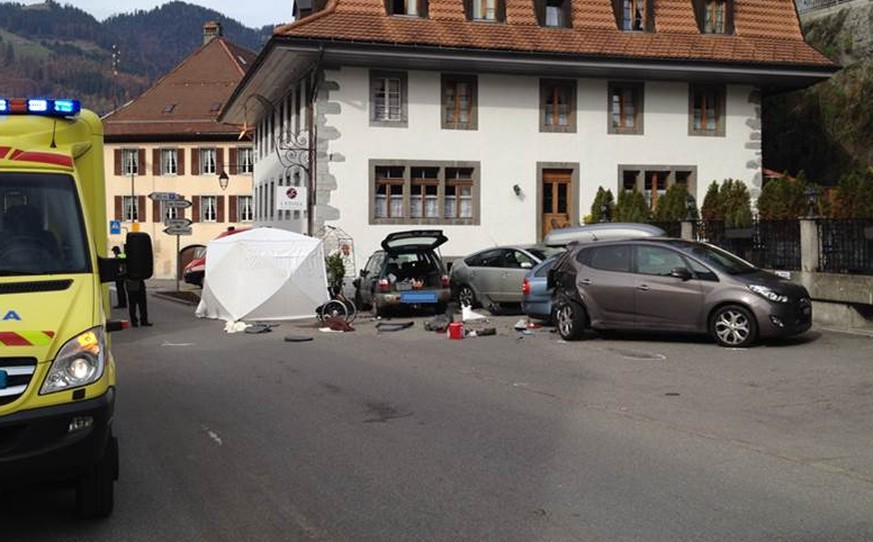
263, 274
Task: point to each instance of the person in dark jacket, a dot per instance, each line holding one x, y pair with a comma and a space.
120, 280
136, 297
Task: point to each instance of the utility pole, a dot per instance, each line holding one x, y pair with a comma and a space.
116, 59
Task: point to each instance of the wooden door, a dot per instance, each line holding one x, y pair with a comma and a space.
557, 198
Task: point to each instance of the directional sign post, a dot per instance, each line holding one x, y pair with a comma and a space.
178, 230
177, 222
176, 203
164, 196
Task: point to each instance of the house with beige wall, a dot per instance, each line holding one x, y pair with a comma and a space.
169, 140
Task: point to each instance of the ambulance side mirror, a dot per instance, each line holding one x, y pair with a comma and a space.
110, 268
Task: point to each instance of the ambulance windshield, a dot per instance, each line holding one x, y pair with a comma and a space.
42, 230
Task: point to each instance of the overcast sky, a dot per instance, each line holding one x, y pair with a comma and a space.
251, 13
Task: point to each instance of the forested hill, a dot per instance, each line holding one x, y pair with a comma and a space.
53, 50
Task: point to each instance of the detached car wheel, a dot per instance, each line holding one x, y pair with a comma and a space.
466, 296
571, 320
733, 325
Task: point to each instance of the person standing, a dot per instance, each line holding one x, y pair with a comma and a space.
136, 297
120, 279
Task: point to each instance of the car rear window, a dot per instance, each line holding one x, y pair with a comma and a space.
611, 258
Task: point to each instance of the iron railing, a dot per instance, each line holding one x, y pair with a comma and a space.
846, 246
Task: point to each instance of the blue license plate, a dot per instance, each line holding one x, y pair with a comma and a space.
418, 296
3, 380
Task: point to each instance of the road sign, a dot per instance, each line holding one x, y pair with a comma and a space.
176, 204
164, 196
176, 230
177, 222
115, 227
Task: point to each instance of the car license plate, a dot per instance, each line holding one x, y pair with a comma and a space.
3, 380
413, 297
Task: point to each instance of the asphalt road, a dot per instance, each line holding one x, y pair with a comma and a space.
368, 436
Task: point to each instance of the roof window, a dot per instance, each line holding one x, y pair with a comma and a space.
412, 8
634, 15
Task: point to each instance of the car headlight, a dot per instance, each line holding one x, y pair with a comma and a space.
768, 293
80, 362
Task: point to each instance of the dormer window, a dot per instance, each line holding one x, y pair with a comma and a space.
414, 8
553, 13
634, 15
715, 16
485, 10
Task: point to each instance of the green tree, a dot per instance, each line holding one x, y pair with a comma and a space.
854, 195
712, 209
673, 206
632, 207
602, 197
737, 204
783, 198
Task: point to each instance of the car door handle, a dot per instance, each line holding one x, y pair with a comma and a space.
643, 288
586, 282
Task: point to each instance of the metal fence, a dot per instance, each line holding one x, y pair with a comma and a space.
846, 246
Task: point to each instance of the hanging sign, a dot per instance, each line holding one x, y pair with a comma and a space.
291, 198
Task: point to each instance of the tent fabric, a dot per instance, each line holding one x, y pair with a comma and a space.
263, 274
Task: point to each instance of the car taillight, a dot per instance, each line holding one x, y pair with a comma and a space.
384, 285
525, 287
444, 281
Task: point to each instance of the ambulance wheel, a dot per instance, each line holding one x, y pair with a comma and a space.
95, 497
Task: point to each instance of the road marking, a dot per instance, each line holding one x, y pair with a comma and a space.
177, 344
213, 435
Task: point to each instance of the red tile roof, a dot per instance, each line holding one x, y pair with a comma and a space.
766, 31
185, 103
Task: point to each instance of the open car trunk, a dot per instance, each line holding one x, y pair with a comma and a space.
414, 271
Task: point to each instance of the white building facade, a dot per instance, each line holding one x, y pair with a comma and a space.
493, 146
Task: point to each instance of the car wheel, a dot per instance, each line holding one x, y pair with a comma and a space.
733, 325
95, 490
466, 296
571, 320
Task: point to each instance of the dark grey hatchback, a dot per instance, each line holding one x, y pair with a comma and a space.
662, 284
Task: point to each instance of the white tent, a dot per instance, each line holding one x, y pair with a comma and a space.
263, 274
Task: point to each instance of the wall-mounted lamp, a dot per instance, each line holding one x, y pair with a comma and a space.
516, 189
812, 200
223, 179
690, 207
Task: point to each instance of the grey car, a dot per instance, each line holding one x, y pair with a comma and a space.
495, 275
663, 284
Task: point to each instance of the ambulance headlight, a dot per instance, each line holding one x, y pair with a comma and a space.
80, 362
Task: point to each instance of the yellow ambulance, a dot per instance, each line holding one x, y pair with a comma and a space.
57, 375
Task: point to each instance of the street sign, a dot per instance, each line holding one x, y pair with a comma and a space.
176, 204
177, 222
115, 227
164, 196
177, 230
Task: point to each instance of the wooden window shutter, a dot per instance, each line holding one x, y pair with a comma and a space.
650, 16
729, 17
233, 204
156, 212
219, 160
618, 11
219, 204
119, 212
140, 162
181, 212
156, 162
389, 9
540, 11
118, 161
699, 7
180, 161
195, 161
232, 166
500, 11
195, 208
141, 207
568, 13
468, 9
422, 8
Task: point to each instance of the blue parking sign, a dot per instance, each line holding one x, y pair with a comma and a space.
115, 227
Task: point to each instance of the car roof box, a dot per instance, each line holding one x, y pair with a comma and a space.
602, 231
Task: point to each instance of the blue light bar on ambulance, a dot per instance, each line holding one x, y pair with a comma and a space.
44, 107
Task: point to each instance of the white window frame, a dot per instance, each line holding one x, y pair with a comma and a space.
245, 208
169, 162
208, 208
130, 213
208, 161
245, 160
130, 161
